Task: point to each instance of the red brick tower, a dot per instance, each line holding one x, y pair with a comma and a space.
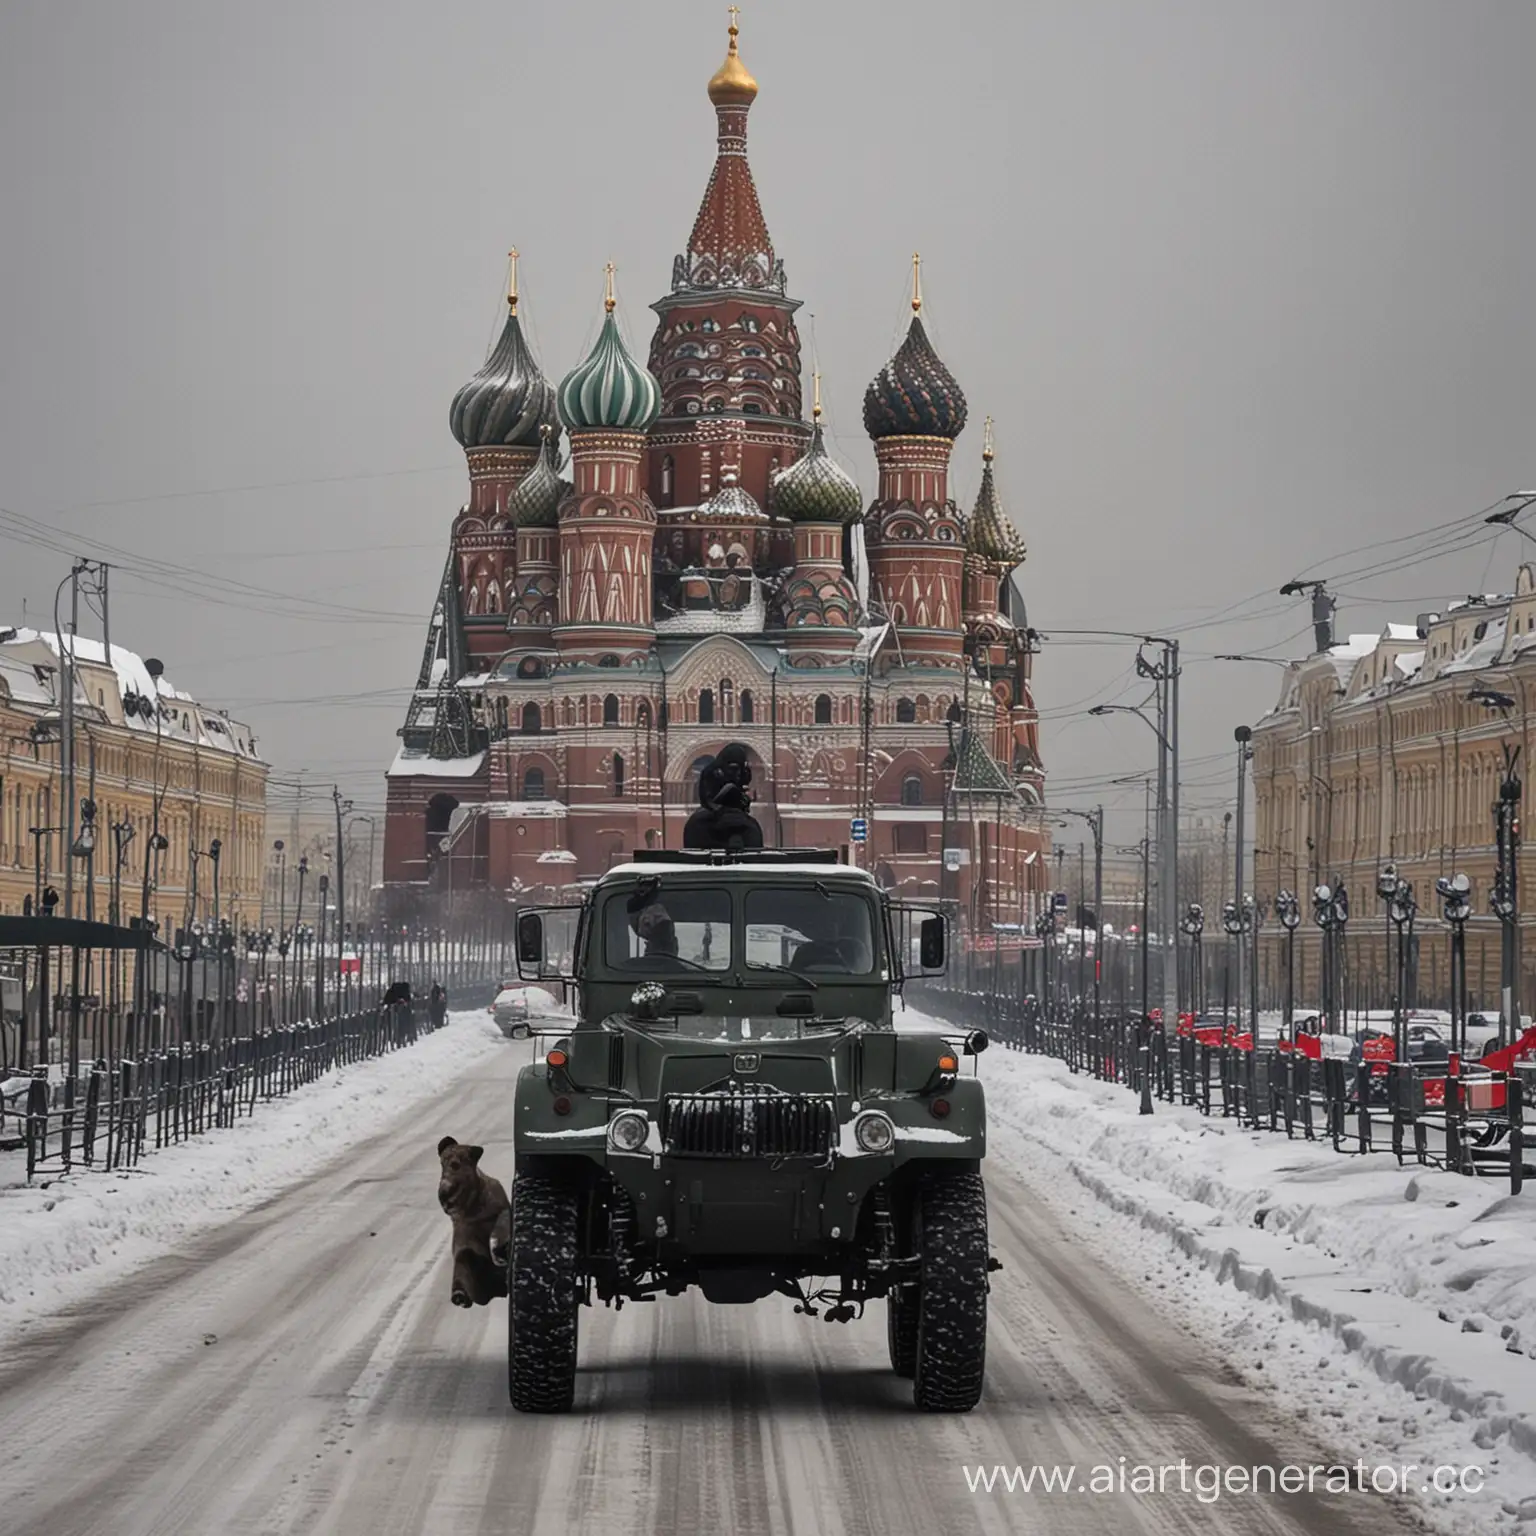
914, 410
607, 524
819, 607
496, 418
726, 350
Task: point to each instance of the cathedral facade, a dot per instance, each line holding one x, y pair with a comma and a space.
658, 559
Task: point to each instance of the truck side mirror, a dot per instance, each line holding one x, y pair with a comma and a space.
976, 1042
930, 943
530, 940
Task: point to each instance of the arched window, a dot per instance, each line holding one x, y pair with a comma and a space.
706, 706
533, 722
912, 790
668, 472
610, 660
611, 709
727, 698
643, 716
440, 809
823, 709
618, 775
533, 784
906, 712
747, 715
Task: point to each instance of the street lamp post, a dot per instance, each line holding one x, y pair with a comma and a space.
1330, 911
1242, 735
1455, 892
1193, 924
1164, 676
1506, 887
1288, 910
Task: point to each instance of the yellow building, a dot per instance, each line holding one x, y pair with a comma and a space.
151, 760
1376, 753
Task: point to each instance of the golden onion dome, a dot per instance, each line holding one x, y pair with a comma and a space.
731, 85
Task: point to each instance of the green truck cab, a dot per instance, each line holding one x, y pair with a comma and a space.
734, 1109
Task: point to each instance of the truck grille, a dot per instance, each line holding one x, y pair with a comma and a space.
748, 1124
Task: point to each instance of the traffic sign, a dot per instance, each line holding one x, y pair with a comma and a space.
858, 829
1059, 901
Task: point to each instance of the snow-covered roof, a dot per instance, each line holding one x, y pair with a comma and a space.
418, 765
745, 871
1354, 648
140, 697
1401, 632
1484, 653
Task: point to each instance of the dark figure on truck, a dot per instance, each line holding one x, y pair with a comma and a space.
724, 819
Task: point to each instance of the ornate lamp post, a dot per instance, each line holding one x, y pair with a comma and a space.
1192, 924
1455, 892
1401, 910
1330, 911
1288, 910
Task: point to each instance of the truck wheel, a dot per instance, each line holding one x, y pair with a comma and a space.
901, 1330
951, 1353
541, 1354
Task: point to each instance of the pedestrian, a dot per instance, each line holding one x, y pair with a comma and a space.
437, 1005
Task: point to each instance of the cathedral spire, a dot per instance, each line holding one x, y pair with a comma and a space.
730, 246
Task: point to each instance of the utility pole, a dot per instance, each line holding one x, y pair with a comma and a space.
1241, 735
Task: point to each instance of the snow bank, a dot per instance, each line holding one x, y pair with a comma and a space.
1397, 1306
62, 1239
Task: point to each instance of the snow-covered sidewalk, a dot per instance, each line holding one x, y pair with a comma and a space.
64, 1238
1395, 1305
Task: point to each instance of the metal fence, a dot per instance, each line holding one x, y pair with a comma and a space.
119, 1109
1468, 1117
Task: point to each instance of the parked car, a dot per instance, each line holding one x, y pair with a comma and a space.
518, 1005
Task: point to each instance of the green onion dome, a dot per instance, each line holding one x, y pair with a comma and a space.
536, 501
816, 489
610, 390
506, 403
991, 535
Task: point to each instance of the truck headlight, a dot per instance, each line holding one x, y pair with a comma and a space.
874, 1132
627, 1131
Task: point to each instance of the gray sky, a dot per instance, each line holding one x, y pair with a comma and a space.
1245, 285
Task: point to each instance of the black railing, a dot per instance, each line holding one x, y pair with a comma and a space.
1460, 1116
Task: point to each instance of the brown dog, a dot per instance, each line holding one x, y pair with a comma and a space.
476, 1204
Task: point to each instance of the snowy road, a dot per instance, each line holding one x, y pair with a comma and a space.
300, 1370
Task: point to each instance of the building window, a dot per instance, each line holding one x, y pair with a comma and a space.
533, 722
668, 470
611, 709
911, 837
533, 784
618, 775
912, 790
643, 716
823, 709
746, 706
610, 660
726, 699
706, 706
906, 712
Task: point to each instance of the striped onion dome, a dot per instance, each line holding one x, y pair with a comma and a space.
914, 395
536, 501
816, 489
610, 390
506, 403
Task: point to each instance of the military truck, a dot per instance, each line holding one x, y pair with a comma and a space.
734, 1109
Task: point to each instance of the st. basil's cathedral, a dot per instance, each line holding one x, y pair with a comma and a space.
690, 572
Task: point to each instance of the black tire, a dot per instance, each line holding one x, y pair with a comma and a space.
901, 1330
541, 1351
951, 1354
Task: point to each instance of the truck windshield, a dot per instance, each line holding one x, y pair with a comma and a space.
814, 931
651, 930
